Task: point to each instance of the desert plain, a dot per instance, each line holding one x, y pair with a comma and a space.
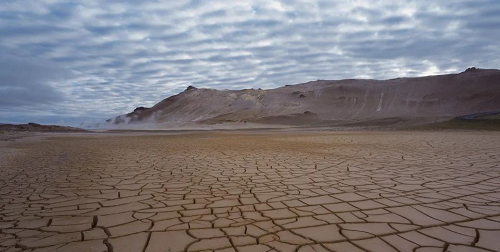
251, 191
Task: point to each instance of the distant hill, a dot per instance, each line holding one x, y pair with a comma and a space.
35, 127
331, 102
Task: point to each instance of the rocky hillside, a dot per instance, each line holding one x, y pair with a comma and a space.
329, 102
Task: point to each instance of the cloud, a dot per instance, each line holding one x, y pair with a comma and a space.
122, 53
27, 81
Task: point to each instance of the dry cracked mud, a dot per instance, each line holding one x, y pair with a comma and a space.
351, 191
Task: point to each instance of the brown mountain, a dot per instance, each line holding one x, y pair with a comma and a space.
326, 102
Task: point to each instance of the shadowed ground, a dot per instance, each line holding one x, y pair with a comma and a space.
352, 191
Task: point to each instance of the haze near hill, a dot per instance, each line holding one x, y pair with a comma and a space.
326, 102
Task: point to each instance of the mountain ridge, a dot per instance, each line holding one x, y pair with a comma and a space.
329, 101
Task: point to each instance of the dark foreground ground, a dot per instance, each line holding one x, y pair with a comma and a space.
252, 191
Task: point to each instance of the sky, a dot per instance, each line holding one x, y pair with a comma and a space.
68, 62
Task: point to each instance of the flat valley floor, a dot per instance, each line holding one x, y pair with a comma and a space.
260, 191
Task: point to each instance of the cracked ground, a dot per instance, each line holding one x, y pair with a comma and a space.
351, 191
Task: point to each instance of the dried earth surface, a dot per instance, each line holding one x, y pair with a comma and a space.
257, 191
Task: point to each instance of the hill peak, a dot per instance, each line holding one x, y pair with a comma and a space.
423, 98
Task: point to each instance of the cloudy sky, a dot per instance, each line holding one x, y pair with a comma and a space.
72, 61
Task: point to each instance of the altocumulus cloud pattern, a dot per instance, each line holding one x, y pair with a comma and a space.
68, 61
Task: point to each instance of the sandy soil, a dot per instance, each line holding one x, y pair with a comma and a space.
253, 191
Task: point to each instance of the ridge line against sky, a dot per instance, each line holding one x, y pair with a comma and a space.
67, 62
